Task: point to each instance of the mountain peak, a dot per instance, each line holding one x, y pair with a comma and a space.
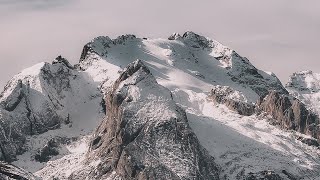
62, 60
305, 72
143, 131
193, 39
174, 36
132, 68
197, 41
304, 81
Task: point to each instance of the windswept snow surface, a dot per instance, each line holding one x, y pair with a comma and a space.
240, 144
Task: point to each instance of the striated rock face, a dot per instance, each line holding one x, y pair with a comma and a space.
290, 113
305, 86
63, 60
234, 100
10, 172
146, 135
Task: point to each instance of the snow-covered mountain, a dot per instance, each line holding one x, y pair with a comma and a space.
43, 103
185, 107
305, 85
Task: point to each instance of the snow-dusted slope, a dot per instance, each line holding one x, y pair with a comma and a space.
43, 103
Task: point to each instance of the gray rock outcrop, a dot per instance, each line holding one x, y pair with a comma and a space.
146, 135
243, 72
290, 113
223, 95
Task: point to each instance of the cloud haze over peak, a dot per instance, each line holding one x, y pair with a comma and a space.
276, 35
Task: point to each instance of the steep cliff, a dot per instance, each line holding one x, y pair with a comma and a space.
290, 113
146, 135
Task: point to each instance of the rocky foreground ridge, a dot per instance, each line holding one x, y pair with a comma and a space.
146, 135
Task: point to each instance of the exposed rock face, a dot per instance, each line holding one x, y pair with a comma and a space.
146, 135
63, 60
193, 40
234, 100
196, 41
309, 141
174, 36
10, 172
287, 111
100, 44
290, 113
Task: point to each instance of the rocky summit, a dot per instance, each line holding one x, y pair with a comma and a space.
145, 135
184, 107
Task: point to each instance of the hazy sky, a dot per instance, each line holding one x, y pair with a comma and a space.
282, 36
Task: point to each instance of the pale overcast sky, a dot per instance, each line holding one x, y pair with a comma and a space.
276, 35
